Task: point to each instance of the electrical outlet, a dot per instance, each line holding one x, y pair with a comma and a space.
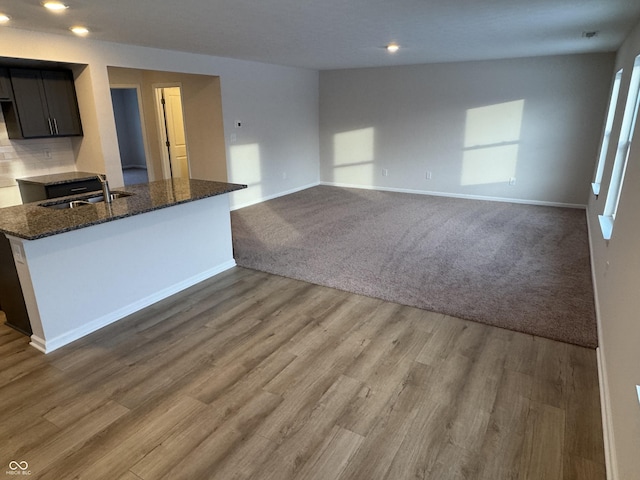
428, 176
512, 181
233, 137
385, 172
18, 252
47, 153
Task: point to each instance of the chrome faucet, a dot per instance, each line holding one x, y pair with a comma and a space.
106, 193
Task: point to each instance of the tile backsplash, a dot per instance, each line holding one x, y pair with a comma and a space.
29, 158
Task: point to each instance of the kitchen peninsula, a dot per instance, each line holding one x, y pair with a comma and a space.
83, 268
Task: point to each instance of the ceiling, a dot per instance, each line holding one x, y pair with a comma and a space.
333, 34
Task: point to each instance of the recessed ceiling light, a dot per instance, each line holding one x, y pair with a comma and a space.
4, 18
393, 47
55, 6
80, 30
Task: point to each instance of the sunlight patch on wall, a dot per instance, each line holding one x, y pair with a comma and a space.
352, 147
491, 141
246, 167
489, 165
353, 156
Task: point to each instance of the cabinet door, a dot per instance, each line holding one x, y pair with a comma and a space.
30, 103
61, 100
5, 86
11, 295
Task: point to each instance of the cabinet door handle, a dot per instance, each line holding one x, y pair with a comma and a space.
79, 189
50, 126
55, 124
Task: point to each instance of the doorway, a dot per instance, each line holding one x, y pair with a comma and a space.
175, 161
129, 129
203, 119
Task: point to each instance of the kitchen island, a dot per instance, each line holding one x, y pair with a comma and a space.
86, 267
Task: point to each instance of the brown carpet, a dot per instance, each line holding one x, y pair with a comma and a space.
520, 267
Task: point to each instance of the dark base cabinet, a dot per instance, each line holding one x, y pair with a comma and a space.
11, 298
33, 192
5, 86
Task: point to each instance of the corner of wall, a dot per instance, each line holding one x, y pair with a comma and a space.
605, 395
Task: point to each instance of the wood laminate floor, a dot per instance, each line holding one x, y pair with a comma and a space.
255, 376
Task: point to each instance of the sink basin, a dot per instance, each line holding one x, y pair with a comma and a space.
82, 201
100, 198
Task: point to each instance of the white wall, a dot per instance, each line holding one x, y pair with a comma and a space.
278, 107
616, 267
281, 148
473, 125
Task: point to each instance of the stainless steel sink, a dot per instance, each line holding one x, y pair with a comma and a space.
114, 195
82, 201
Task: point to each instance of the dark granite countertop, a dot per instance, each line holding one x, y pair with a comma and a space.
32, 221
58, 178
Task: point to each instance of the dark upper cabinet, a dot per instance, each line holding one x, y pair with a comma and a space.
44, 104
31, 116
60, 92
5, 85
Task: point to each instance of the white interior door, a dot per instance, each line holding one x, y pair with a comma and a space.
174, 134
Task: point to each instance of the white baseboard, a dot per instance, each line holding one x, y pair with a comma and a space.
47, 346
407, 190
275, 195
38, 343
607, 427
459, 195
